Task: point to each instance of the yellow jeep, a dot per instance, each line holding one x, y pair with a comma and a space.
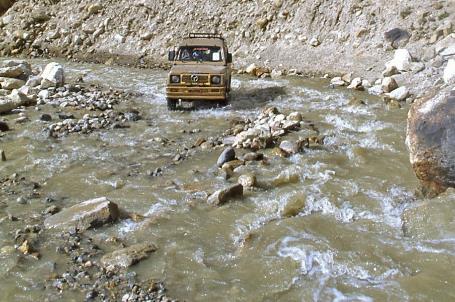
201, 71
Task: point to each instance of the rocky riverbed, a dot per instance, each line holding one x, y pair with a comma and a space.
295, 188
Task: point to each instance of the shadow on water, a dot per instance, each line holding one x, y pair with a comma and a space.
251, 98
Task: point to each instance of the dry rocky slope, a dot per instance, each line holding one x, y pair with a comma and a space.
320, 36
402, 49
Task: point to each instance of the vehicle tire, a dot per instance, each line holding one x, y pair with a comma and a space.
171, 104
225, 102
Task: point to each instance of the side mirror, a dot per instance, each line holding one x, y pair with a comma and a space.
171, 55
229, 58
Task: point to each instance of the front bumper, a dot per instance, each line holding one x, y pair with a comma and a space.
195, 93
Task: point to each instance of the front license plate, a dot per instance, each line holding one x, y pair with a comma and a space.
186, 104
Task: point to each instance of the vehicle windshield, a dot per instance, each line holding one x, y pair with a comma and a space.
200, 53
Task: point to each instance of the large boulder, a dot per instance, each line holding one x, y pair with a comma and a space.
15, 69
401, 60
11, 84
126, 257
15, 100
85, 215
430, 139
53, 75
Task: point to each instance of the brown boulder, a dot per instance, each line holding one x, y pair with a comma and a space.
430, 139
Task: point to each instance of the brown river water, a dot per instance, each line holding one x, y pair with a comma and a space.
347, 243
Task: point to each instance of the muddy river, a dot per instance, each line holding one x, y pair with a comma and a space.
347, 243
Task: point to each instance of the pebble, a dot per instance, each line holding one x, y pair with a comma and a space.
45, 117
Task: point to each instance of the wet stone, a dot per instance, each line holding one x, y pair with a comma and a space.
85, 215
247, 180
126, 257
45, 117
294, 205
227, 155
222, 196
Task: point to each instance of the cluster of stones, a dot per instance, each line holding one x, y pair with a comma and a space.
88, 123
266, 129
91, 98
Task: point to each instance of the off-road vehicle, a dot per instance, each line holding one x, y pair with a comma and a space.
201, 71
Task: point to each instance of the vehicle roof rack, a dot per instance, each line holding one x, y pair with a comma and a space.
206, 35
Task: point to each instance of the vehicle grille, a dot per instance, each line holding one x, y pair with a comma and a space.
195, 78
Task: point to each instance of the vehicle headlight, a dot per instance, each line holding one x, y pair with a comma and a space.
216, 80
175, 79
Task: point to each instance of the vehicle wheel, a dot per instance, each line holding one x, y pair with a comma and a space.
171, 104
224, 102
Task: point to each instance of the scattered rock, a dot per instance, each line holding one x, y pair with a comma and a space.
85, 215
337, 82
15, 100
10, 84
251, 69
289, 147
399, 94
45, 117
226, 156
53, 76
315, 42
247, 180
390, 71
401, 60
389, 84
397, 37
253, 156
129, 256
347, 77
222, 196
25, 248
356, 84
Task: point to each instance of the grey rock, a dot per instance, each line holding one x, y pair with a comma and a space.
226, 156
289, 147
126, 257
53, 76
397, 37
10, 84
85, 215
399, 94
